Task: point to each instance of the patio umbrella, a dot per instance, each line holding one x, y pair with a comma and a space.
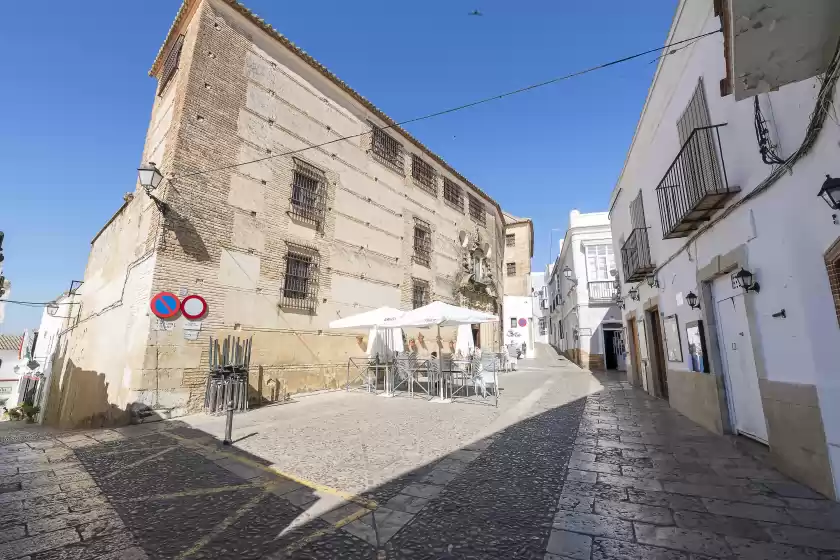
464, 343
441, 314
382, 317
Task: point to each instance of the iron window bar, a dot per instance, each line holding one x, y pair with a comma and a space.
420, 293
170, 63
422, 243
300, 278
309, 193
511, 269
387, 150
635, 256
424, 175
695, 185
510, 240
453, 195
477, 212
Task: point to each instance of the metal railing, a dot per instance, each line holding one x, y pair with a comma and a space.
696, 185
602, 291
635, 256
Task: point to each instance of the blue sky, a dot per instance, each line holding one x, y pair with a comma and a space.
76, 99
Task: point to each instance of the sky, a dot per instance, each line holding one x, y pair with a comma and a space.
77, 98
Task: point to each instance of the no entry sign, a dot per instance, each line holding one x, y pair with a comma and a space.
165, 305
194, 307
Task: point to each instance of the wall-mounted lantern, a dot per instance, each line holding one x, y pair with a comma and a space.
830, 192
744, 279
634, 294
567, 273
150, 176
691, 300
620, 304
652, 281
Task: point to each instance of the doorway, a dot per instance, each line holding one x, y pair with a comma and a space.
476, 334
610, 355
659, 373
736, 353
633, 340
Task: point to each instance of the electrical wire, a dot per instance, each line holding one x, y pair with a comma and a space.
35, 303
458, 108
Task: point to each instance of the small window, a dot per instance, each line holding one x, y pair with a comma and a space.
510, 240
453, 195
422, 243
309, 186
300, 281
511, 269
477, 211
424, 175
387, 150
513, 322
542, 325
170, 64
420, 293
560, 328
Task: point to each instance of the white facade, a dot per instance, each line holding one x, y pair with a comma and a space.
9, 378
539, 307
518, 324
771, 356
585, 318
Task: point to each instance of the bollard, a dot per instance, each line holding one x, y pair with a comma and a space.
228, 424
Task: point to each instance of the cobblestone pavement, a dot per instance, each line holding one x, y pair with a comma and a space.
570, 466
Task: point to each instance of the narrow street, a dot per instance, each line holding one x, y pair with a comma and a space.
572, 465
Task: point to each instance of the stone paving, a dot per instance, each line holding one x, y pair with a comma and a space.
570, 466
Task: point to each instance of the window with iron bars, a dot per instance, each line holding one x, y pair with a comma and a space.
453, 195
511, 269
300, 280
420, 292
309, 192
510, 240
542, 325
424, 175
170, 63
477, 211
387, 150
422, 243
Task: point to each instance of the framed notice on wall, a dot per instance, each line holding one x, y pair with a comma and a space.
696, 339
672, 339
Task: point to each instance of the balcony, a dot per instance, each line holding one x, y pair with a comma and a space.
602, 291
635, 256
695, 187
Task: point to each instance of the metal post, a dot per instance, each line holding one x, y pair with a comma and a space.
229, 424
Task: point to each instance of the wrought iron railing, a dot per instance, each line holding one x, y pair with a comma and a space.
602, 291
695, 186
635, 256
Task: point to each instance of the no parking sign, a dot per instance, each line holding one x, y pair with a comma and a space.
165, 305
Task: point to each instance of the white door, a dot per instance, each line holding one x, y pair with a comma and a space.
738, 362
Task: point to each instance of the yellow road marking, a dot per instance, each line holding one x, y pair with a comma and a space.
137, 463
315, 535
197, 492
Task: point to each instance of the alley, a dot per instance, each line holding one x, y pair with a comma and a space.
571, 465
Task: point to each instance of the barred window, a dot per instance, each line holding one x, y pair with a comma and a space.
477, 211
309, 192
542, 325
420, 292
424, 175
422, 243
300, 282
387, 150
511, 269
453, 195
513, 322
510, 240
170, 64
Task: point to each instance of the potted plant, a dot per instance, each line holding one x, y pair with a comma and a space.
30, 411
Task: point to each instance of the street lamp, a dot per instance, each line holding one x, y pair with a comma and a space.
830, 192
150, 177
567, 273
691, 300
744, 279
634, 294
52, 309
652, 281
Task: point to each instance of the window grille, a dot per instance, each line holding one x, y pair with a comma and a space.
300, 280
477, 211
453, 195
170, 64
424, 175
422, 243
309, 192
511, 269
510, 240
387, 150
420, 292
542, 325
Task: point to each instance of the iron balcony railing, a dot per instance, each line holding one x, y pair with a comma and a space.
602, 291
695, 186
635, 256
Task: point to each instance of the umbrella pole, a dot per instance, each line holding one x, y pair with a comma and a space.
440, 362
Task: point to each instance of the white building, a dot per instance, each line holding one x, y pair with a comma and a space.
539, 307
722, 177
9, 377
587, 323
518, 323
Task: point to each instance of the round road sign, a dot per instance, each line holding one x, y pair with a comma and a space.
522, 322
194, 307
165, 305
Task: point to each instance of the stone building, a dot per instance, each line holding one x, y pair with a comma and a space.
518, 319
289, 200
